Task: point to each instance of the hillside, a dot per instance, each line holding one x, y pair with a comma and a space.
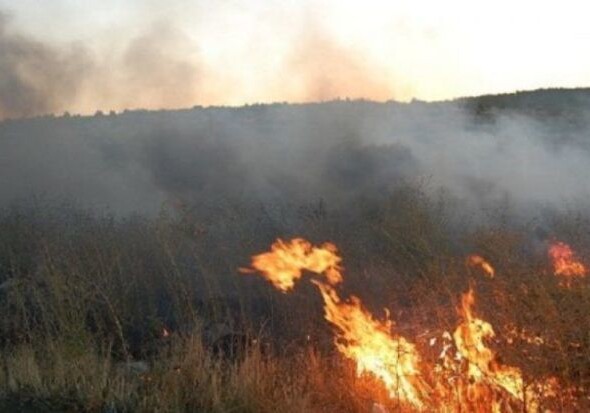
138, 160
159, 262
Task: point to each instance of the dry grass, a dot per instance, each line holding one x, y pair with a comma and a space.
84, 295
184, 377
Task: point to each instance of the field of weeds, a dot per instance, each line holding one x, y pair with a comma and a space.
108, 314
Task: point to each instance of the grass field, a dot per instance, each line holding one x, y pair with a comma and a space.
107, 314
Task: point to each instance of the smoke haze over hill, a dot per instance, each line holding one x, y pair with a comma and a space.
529, 156
123, 54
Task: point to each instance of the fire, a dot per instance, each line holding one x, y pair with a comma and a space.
485, 375
513, 334
467, 376
565, 263
369, 342
478, 261
285, 262
359, 336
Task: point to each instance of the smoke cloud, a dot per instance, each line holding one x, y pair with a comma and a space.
157, 69
36, 78
321, 69
122, 54
527, 150
159, 65
339, 152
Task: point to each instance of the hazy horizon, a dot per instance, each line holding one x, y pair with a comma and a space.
127, 54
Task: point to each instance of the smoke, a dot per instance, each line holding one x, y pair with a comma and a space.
530, 154
36, 78
321, 69
121, 54
158, 65
529, 161
340, 152
159, 68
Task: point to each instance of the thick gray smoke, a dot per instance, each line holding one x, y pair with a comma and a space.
153, 63
158, 68
529, 155
35, 78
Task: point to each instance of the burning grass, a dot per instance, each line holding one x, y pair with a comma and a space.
469, 377
398, 310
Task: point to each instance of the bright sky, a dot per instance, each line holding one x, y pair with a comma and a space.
277, 50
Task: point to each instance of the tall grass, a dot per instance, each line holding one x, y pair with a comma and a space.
86, 298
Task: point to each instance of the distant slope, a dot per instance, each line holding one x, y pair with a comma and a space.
528, 147
542, 101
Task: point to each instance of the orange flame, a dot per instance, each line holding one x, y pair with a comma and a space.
369, 342
565, 264
358, 335
471, 380
478, 261
512, 334
283, 265
484, 373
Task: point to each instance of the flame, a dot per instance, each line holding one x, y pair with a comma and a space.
485, 375
285, 262
467, 376
477, 260
512, 334
369, 342
565, 263
358, 335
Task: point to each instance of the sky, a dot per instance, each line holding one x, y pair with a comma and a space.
82, 56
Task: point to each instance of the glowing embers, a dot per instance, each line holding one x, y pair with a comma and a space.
478, 261
565, 264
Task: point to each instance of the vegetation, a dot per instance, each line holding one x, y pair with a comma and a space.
115, 312
105, 314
